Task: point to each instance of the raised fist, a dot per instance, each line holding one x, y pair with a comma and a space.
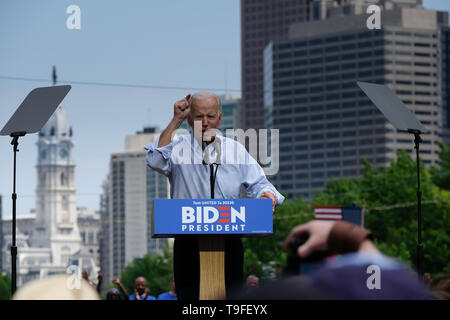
181, 108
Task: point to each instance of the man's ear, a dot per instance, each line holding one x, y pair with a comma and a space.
189, 121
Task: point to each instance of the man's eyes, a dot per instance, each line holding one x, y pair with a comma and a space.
209, 117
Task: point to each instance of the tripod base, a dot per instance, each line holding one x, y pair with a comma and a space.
14, 267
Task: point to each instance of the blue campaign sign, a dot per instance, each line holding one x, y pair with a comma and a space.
212, 216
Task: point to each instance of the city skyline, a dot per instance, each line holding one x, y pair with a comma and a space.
327, 124
102, 51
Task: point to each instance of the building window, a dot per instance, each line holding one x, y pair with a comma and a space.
63, 179
65, 203
318, 184
91, 237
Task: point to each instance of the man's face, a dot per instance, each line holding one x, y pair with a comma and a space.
140, 285
113, 296
206, 111
252, 282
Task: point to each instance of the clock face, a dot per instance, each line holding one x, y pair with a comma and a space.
63, 153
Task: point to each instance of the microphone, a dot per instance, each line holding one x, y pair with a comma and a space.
204, 155
217, 145
207, 161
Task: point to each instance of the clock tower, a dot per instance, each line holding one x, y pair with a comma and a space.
56, 216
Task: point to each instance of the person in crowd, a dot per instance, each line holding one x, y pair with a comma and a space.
252, 282
427, 278
141, 291
122, 289
359, 272
171, 294
85, 276
113, 294
440, 287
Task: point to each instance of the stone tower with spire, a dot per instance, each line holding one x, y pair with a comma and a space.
56, 216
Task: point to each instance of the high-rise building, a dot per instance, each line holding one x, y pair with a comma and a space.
231, 112
327, 125
262, 21
132, 187
105, 245
89, 224
444, 44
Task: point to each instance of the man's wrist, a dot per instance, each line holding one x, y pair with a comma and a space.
175, 123
367, 245
167, 135
347, 237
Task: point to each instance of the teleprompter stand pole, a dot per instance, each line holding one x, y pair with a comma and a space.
417, 141
15, 143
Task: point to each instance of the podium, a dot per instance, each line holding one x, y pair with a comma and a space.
211, 220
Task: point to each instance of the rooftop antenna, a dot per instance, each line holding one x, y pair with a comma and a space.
54, 76
226, 78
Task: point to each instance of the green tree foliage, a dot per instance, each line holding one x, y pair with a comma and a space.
391, 197
157, 269
5, 287
441, 175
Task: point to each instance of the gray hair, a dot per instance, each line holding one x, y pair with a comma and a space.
206, 95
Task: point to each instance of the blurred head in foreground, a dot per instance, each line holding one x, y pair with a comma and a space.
58, 287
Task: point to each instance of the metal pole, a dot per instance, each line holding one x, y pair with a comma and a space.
417, 140
15, 143
1, 233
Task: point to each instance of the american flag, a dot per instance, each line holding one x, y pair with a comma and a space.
334, 213
328, 213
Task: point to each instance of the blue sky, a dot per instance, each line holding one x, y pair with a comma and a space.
174, 43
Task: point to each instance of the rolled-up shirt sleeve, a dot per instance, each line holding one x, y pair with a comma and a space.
159, 158
256, 183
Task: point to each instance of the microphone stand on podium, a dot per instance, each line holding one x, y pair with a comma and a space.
31, 115
212, 248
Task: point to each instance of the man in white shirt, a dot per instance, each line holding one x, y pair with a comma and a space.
190, 178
